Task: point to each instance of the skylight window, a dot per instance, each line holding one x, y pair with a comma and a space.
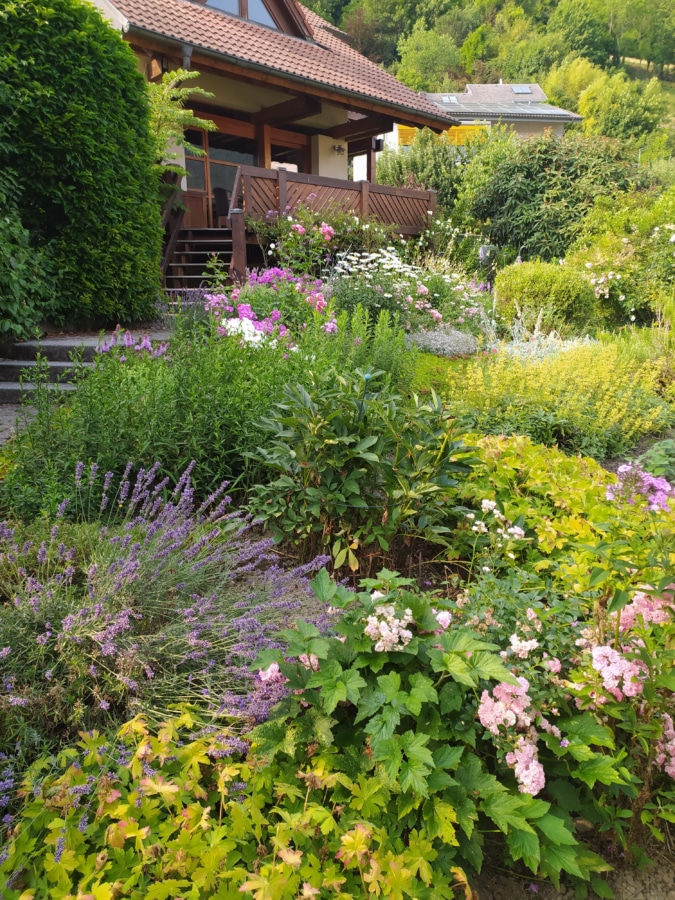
448, 98
255, 10
521, 89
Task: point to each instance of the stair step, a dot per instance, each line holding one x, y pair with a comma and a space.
13, 391
12, 369
59, 349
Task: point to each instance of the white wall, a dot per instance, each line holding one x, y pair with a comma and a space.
325, 161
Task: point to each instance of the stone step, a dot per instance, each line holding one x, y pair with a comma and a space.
59, 349
13, 391
13, 369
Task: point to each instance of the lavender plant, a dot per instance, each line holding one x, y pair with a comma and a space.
167, 606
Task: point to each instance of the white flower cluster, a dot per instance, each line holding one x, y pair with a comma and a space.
249, 334
388, 632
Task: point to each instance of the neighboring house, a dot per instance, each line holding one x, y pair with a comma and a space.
522, 107
290, 95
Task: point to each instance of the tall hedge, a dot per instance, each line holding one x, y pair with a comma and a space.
81, 149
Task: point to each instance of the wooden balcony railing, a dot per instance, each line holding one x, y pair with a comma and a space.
260, 193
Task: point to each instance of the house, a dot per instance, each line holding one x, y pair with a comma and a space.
522, 107
292, 102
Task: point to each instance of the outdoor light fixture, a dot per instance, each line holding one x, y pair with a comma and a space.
339, 149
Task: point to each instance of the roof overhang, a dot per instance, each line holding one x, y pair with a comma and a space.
232, 65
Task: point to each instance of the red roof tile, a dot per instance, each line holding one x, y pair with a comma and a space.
329, 62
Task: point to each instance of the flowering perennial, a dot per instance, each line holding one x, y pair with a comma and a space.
634, 484
388, 631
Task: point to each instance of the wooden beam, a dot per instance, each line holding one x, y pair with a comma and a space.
289, 111
365, 145
365, 127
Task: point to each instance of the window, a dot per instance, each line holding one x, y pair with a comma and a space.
255, 10
258, 12
521, 89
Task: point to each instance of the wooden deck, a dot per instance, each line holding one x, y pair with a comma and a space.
266, 193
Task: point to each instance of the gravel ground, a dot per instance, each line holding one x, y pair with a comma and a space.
656, 882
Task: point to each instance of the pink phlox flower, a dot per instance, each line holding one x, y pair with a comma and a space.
298, 229
553, 665
422, 289
330, 327
244, 311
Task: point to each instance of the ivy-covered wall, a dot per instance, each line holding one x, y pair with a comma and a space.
76, 114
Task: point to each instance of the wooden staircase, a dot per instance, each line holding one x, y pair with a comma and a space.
193, 249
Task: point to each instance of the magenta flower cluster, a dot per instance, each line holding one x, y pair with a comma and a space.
634, 485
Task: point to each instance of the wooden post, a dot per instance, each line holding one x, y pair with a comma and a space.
432, 201
282, 190
238, 261
365, 199
264, 145
371, 162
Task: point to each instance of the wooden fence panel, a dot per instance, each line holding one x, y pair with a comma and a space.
265, 190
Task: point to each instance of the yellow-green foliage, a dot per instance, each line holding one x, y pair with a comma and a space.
590, 399
563, 500
563, 298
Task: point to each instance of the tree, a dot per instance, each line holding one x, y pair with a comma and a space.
537, 196
427, 59
530, 59
582, 30
616, 107
478, 45
564, 84
81, 149
431, 162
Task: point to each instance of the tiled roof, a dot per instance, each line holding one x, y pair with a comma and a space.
329, 62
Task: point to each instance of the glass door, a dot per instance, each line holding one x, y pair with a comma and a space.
217, 168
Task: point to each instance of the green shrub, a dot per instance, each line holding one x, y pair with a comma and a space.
537, 194
431, 162
587, 399
358, 469
82, 151
201, 399
548, 294
624, 248
23, 276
